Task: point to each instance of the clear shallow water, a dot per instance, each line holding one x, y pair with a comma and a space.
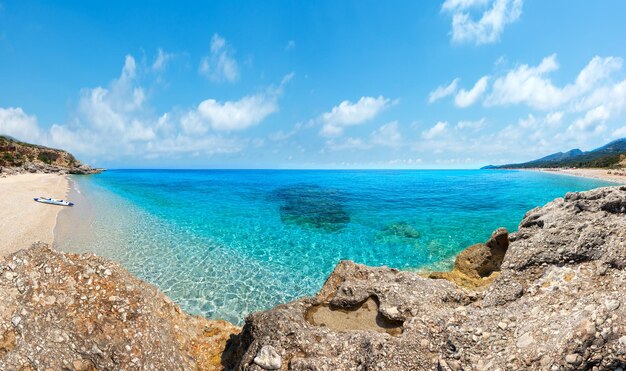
225, 243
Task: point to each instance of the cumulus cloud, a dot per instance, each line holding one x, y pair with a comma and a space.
465, 98
529, 137
117, 121
234, 115
387, 135
438, 129
443, 91
239, 114
16, 123
493, 16
531, 85
220, 65
349, 114
592, 121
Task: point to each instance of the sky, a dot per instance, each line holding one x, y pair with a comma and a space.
313, 84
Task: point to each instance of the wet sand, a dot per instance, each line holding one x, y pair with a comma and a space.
22, 220
602, 174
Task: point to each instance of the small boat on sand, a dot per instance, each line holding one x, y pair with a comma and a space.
52, 201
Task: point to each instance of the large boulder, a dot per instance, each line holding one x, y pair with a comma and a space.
81, 312
558, 303
479, 264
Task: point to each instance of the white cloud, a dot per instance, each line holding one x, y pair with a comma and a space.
162, 60
443, 91
611, 96
234, 115
16, 123
592, 121
620, 132
387, 135
465, 98
405, 161
452, 5
116, 121
220, 65
349, 114
438, 129
529, 137
237, 115
471, 125
554, 117
494, 16
531, 85
347, 144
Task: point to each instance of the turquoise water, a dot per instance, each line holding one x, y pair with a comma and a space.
225, 243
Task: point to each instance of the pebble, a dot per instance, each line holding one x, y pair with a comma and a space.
268, 359
16, 320
611, 305
573, 359
393, 311
525, 340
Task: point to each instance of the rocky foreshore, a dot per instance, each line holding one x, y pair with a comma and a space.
551, 296
81, 312
40, 168
555, 300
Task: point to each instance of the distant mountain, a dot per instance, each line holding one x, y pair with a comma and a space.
609, 155
560, 156
20, 157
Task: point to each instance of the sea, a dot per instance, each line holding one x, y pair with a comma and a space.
225, 243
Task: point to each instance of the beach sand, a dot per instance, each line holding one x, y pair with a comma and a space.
22, 220
602, 174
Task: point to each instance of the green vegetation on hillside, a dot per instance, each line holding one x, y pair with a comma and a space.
610, 156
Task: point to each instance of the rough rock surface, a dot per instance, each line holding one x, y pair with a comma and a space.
80, 312
479, 264
559, 303
18, 157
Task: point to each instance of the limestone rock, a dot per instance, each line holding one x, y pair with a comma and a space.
268, 359
479, 264
81, 312
557, 304
19, 157
481, 260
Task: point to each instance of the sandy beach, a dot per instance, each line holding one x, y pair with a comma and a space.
602, 174
22, 220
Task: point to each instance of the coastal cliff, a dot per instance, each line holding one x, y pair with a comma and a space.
551, 296
18, 157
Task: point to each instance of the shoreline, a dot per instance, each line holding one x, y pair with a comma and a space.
593, 173
24, 220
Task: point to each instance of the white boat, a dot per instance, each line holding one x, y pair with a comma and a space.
52, 201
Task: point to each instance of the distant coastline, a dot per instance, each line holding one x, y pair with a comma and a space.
602, 174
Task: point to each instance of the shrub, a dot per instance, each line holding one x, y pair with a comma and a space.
47, 157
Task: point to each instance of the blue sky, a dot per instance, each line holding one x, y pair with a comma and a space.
325, 84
